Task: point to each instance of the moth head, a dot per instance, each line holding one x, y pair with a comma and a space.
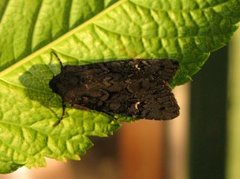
53, 84
63, 83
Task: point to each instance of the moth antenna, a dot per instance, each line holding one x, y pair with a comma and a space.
59, 60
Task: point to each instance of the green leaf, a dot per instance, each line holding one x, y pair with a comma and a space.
82, 32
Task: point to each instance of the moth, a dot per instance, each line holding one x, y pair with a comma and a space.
136, 87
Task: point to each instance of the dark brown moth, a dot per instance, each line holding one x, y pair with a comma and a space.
138, 88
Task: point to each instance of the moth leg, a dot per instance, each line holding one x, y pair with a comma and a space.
78, 106
110, 114
62, 115
59, 60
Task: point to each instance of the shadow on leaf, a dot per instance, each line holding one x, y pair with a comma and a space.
36, 81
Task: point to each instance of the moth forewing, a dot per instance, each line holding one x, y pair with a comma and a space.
134, 87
